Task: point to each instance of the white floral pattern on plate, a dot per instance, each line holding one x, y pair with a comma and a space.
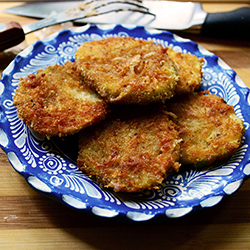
50, 165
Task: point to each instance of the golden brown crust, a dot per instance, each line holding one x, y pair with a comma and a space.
55, 101
209, 128
189, 70
126, 70
132, 151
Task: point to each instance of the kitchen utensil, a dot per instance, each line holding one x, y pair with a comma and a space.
169, 15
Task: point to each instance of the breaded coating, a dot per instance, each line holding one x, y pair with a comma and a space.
189, 70
126, 70
208, 126
132, 150
55, 101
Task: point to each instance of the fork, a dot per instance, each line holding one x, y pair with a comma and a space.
13, 33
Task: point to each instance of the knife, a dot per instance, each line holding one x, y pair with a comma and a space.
168, 15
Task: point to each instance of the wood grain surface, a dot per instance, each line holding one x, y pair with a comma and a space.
29, 220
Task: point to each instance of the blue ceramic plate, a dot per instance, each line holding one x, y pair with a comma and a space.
50, 166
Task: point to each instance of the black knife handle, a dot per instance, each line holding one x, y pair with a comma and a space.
232, 24
11, 34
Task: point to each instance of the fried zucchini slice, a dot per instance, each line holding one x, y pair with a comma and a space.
208, 126
56, 102
128, 71
189, 70
131, 151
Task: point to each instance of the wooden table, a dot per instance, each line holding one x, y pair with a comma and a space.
29, 220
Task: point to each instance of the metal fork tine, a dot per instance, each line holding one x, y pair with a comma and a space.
87, 9
122, 2
98, 7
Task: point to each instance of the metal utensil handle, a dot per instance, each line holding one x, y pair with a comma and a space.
11, 34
